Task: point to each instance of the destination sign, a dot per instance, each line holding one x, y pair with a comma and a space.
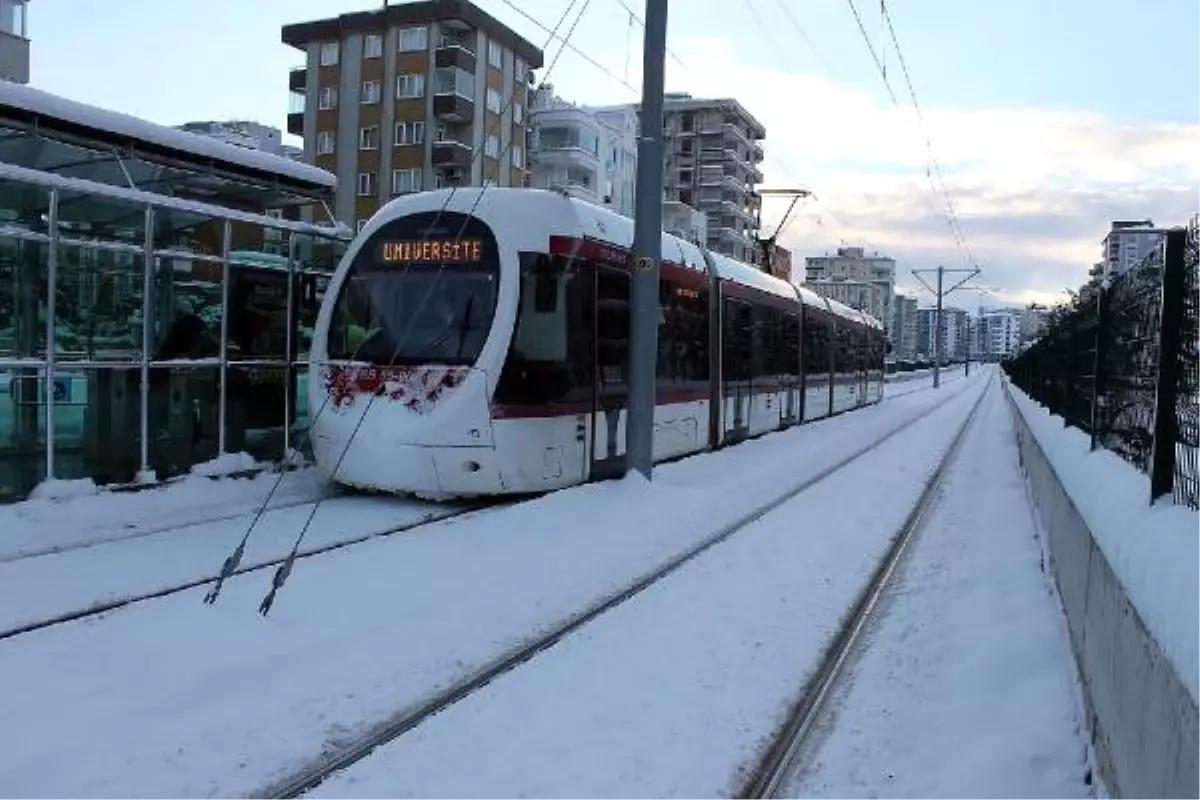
427, 251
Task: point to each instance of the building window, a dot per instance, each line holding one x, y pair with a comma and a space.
362, 223
519, 70
491, 147
406, 180
370, 92
327, 97
372, 46
329, 53
410, 85
494, 101
414, 39
518, 114
366, 184
518, 157
685, 176
410, 132
495, 54
325, 142
368, 138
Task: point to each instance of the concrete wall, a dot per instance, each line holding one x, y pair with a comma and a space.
1142, 721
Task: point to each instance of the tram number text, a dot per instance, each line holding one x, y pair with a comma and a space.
461, 251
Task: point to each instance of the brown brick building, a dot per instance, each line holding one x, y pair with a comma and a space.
400, 99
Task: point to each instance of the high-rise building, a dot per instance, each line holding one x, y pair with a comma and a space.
955, 333
904, 327
711, 152
587, 153
1127, 243
401, 98
14, 41
998, 334
853, 264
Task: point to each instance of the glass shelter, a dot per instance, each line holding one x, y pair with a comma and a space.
141, 333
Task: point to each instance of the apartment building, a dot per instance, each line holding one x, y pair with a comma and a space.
1127, 243
904, 327
853, 264
712, 149
588, 153
998, 333
402, 98
955, 335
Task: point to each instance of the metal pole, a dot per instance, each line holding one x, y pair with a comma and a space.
149, 296
51, 325
937, 333
647, 246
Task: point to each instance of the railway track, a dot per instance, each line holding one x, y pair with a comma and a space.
412, 716
181, 586
159, 530
783, 755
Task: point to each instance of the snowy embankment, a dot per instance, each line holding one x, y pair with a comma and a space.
175, 698
1154, 549
967, 687
675, 692
1126, 571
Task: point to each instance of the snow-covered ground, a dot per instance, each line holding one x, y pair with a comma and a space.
175, 698
48, 587
966, 684
1153, 549
674, 693
46, 524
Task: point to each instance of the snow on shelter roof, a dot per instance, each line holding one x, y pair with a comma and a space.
43, 104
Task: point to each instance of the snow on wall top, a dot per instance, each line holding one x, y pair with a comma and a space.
50, 105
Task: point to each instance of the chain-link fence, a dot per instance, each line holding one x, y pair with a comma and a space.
1122, 365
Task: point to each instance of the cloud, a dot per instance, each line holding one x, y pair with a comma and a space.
1034, 189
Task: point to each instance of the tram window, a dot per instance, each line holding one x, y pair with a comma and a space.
736, 336
682, 334
550, 355
816, 342
790, 345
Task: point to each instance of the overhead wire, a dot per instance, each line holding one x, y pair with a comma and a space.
233, 561
951, 217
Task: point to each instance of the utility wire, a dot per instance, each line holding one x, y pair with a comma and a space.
951, 218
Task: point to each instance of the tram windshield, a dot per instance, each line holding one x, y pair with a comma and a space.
407, 300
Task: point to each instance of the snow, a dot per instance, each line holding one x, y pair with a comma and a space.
675, 692
60, 489
1153, 549
182, 699
53, 520
101, 119
967, 686
227, 464
134, 566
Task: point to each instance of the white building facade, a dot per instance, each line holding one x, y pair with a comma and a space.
244, 133
589, 153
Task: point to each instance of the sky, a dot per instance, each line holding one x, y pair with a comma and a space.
1047, 118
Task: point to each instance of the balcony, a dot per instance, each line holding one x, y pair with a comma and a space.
453, 107
295, 117
297, 79
451, 153
454, 52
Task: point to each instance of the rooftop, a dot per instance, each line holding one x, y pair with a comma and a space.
299, 34
681, 101
45, 132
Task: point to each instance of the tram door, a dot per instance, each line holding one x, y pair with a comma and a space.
611, 399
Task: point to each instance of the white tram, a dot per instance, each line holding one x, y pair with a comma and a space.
487, 346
